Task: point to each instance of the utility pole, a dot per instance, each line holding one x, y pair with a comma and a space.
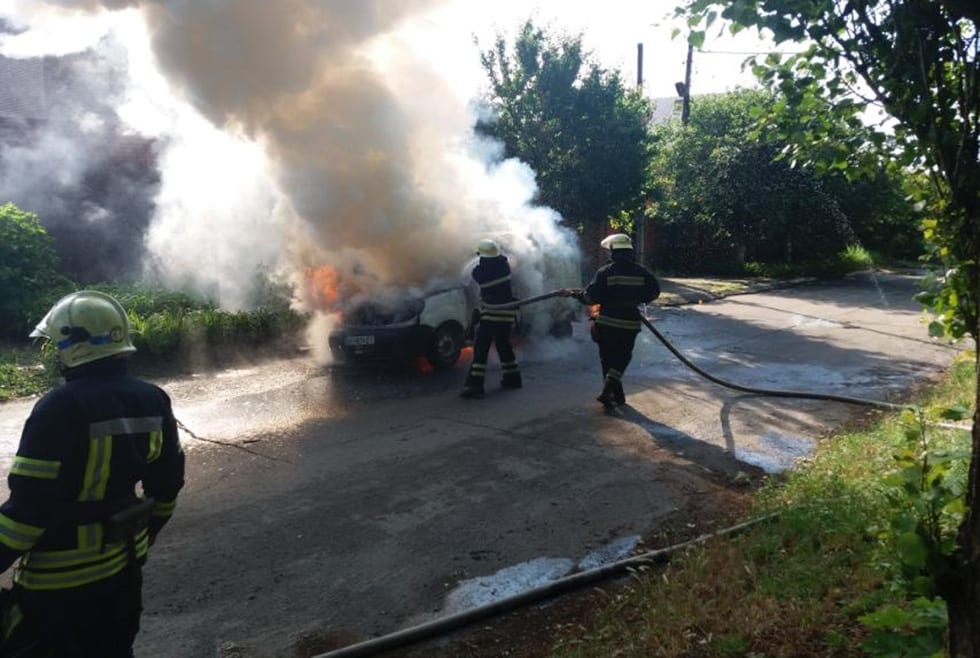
639, 66
686, 108
639, 222
684, 88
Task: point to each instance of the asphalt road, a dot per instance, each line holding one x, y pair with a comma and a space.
381, 499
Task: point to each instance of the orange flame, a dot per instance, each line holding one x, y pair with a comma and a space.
323, 287
593, 310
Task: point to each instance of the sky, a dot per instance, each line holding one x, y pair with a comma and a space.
613, 28
328, 141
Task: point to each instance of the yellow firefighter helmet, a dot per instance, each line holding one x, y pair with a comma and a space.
487, 248
617, 241
86, 326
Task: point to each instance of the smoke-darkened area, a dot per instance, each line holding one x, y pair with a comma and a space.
65, 156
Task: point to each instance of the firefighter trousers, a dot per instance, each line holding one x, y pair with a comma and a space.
497, 334
615, 353
99, 620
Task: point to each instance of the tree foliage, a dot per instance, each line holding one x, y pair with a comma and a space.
722, 195
29, 269
575, 124
918, 60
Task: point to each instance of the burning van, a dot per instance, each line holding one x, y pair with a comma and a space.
406, 324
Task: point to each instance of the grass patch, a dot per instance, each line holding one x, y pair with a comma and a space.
23, 372
799, 585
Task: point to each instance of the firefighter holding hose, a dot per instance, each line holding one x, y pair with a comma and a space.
492, 274
618, 287
74, 519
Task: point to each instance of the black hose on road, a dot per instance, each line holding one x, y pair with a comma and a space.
717, 380
766, 391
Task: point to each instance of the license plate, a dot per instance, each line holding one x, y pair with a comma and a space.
359, 341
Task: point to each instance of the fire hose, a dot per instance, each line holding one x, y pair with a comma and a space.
444, 625
712, 378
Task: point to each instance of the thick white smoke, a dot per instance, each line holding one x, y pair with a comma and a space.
324, 142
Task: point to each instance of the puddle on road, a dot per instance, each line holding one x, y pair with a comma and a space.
777, 453
519, 578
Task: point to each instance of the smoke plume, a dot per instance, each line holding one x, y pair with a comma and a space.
66, 156
316, 138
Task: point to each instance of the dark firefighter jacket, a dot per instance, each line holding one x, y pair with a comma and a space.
84, 448
493, 277
619, 287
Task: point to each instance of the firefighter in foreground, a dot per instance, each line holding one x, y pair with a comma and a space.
74, 518
618, 288
492, 274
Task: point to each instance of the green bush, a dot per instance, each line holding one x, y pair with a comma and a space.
29, 271
853, 258
160, 333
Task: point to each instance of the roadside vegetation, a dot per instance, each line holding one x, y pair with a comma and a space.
171, 330
842, 569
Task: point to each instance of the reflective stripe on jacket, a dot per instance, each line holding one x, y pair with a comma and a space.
619, 287
493, 277
84, 449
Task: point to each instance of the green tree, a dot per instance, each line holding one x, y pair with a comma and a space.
723, 195
577, 126
917, 59
28, 270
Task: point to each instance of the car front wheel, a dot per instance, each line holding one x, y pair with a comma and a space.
446, 345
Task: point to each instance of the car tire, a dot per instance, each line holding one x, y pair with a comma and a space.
447, 342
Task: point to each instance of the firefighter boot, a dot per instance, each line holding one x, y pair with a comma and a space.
608, 395
511, 380
473, 386
619, 396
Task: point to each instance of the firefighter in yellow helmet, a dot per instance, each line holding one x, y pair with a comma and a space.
492, 274
618, 287
74, 519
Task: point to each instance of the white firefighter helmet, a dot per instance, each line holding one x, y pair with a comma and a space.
617, 241
86, 326
487, 248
